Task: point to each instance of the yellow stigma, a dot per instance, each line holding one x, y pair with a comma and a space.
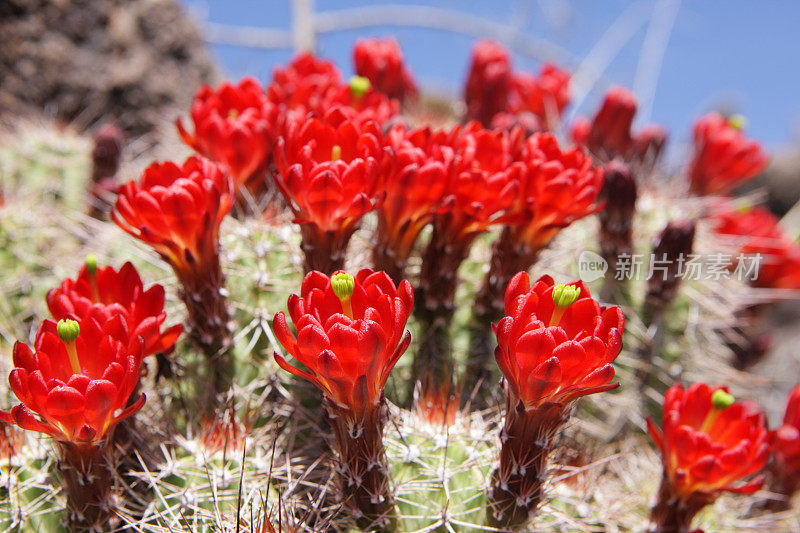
721, 399
343, 284
336, 152
565, 295
738, 122
68, 330
359, 86
91, 264
233, 113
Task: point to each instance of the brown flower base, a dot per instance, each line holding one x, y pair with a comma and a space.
362, 470
88, 479
207, 323
517, 485
434, 307
673, 514
324, 251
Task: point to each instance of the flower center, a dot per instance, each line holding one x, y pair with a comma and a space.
359, 86
68, 330
343, 285
563, 297
720, 401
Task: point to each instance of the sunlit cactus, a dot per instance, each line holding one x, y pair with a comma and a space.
487, 221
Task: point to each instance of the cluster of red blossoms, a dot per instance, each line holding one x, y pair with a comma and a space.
85, 367
236, 126
497, 96
756, 232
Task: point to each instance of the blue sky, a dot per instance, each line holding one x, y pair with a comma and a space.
742, 55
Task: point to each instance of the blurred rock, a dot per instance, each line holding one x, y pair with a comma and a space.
132, 62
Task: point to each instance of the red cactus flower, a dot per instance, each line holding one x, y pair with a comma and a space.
545, 95
723, 157
75, 384
555, 344
304, 80
786, 448
109, 292
489, 81
709, 443
359, 102
381, 62
233, 127
555, 353
756, 232
177, 210
559, 188
485, 180
350, 334
310, 85
415, 183
328, 173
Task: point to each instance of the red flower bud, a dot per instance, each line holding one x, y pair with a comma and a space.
105, 292
489, 81
233, 127
381, 62
709, 442
786, 448
178, 211
545, 95
723, 157
76, 389
350, 334
551, 354
610, 134
619, 193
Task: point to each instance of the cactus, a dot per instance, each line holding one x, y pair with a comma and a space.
261, 460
